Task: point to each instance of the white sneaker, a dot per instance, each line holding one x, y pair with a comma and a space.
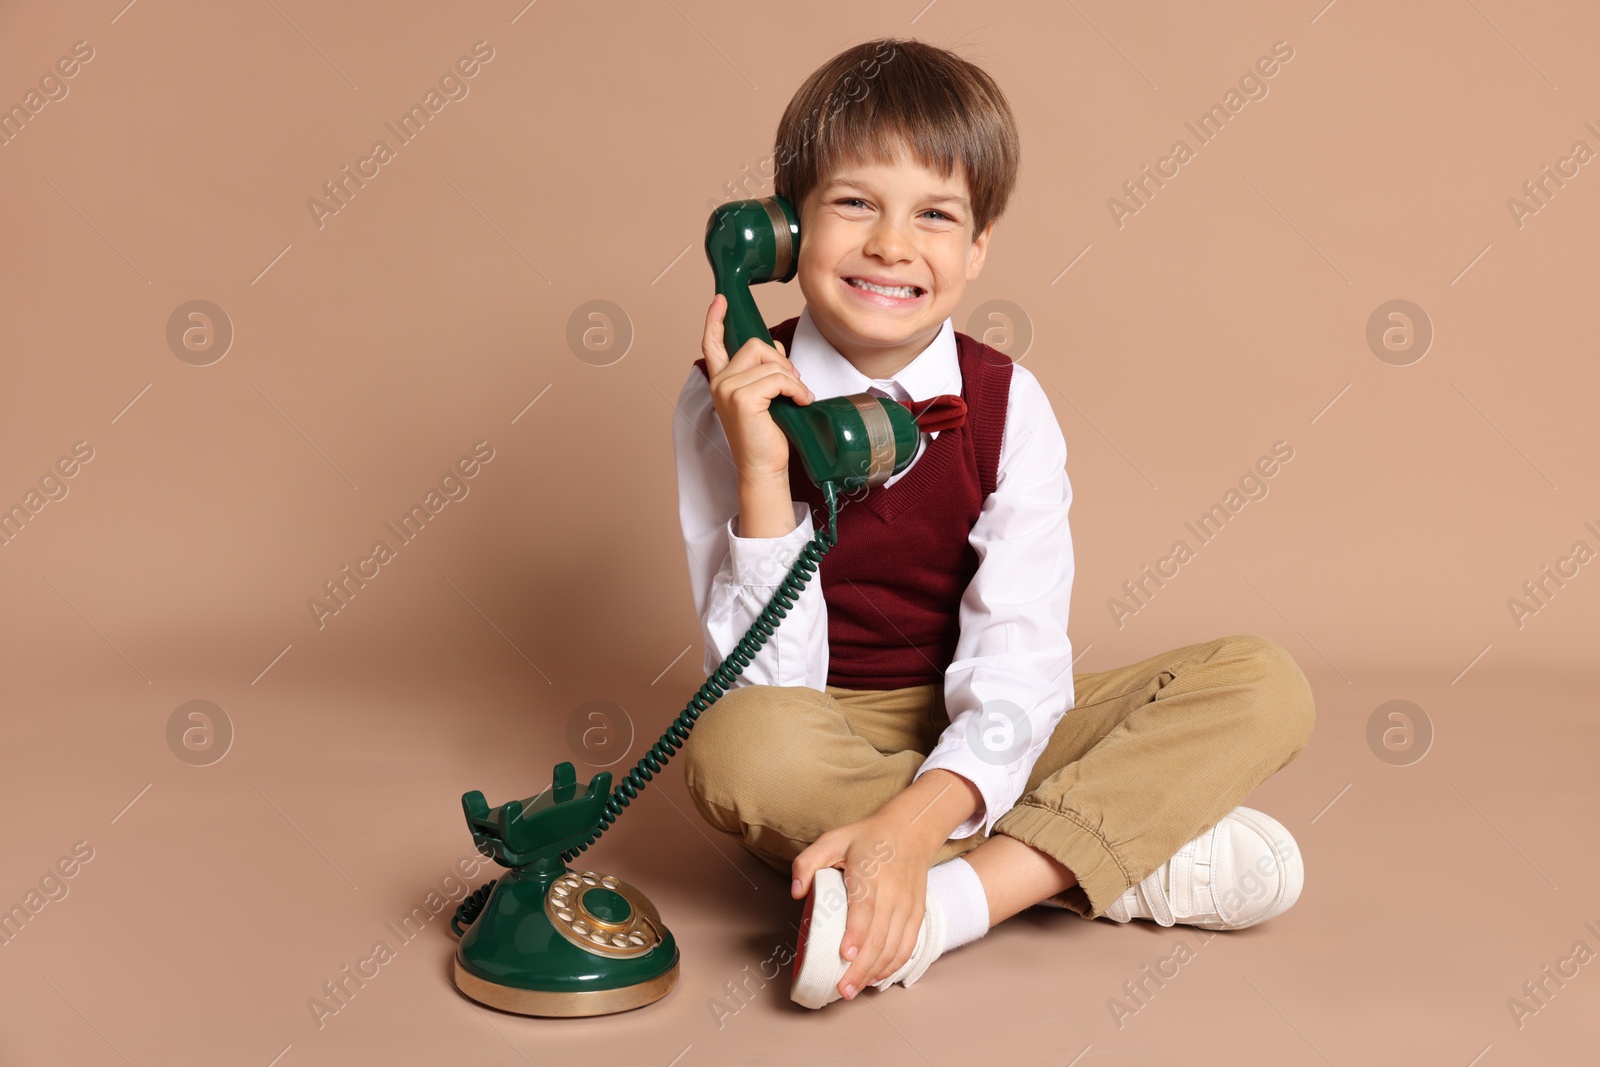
818, 967
1242, 871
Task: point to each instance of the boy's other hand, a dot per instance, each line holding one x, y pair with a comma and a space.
886, 882
742, 388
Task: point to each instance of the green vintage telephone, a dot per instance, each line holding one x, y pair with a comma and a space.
544, 939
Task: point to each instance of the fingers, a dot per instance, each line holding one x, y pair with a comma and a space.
890, 959
755, 361
859, 927
711, 341
803, 871
755, 350
875, 959
820, 853
754, 388
897, 949
809, 395
715, 350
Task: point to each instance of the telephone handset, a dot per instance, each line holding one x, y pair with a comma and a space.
544, 939
847, 440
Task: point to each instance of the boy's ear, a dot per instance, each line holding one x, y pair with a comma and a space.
980, 248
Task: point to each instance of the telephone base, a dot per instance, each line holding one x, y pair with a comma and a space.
554, 941
566, 1005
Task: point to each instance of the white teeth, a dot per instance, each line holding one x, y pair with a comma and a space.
900, 291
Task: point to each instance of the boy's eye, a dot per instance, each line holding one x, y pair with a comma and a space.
852, 200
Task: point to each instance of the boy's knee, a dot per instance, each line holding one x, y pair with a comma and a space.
730, 751
1287, 710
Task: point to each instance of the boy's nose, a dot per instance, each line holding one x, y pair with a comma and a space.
887, 242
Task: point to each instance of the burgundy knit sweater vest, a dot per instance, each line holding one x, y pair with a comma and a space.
893, 584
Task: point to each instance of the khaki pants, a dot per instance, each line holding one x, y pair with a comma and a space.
1152, 755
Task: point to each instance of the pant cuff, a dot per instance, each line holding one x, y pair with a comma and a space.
1066, 837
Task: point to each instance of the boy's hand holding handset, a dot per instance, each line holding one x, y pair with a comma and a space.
742, 388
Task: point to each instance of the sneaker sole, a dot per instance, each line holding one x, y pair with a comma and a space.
1273, 832
816, 979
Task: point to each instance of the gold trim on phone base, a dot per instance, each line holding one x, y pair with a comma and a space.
566, 1005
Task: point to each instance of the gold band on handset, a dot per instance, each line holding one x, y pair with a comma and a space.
780, 237
880, 438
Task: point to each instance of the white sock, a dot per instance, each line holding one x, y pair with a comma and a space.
956, 885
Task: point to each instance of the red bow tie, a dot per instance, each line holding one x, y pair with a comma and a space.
943, 412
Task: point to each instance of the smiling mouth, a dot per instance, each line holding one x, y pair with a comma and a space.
902, 292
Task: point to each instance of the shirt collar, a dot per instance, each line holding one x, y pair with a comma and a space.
934, 371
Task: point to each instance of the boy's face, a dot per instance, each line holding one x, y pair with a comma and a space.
897, 224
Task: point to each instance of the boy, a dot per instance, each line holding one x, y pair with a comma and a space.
914, 719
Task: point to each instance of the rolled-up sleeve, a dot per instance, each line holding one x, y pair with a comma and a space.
1010, 681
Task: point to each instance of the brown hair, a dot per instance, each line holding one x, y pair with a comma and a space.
870, 100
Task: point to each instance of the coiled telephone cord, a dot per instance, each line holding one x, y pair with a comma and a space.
716, 686
468, 911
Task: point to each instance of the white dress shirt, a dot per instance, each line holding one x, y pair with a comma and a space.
1012, 653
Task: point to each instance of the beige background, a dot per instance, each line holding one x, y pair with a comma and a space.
432, 312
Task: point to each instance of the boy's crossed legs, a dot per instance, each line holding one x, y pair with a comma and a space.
1152, 756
